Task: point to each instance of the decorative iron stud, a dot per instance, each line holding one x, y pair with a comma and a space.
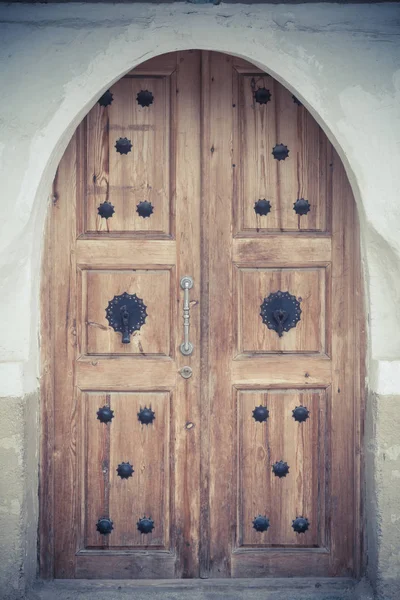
296, 101
106, 210
260, 413
105, 414
145, 525
126, 313
123, 145
300, 414
145, 98
280, 312
301, 206
300, 524
262, 95
125, 470
144, 209
104, 526
262, 207
280, 152
106, 98
146, 416
261, 523
280, 469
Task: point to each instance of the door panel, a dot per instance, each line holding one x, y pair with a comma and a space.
225, 177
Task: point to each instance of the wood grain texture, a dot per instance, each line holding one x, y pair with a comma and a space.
153, 287
142, 174
260, 445
306, 285
303, 174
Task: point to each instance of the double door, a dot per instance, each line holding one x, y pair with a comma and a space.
201, 335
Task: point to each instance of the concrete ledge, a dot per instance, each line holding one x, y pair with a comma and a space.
203, 589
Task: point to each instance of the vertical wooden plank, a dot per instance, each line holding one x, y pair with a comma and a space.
46, 494
96, 472
66, 410
186, 408
218, 185
342, 416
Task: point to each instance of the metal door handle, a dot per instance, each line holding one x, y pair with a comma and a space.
186, 347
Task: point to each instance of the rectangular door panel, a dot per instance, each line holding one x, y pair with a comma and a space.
257, 333
281, 467
128, 158
127, 498
269, 119
152, 287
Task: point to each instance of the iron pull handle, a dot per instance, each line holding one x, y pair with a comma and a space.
186, 347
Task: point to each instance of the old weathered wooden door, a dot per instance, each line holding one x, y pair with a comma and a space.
241, 457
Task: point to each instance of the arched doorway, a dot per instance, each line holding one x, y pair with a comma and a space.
209, 430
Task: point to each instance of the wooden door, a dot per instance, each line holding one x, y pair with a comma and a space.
242, 458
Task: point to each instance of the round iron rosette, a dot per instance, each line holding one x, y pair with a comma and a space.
280, 152
262, 207
301, 206
145, 525
261, 523
106, 99
145, 98
146, 416
105, 414
144, 209
262, 95
104, 526
300, 413
300, 524
280, 469
126, 313
125, 470
106, 210
280, 312
260, 413
123, 145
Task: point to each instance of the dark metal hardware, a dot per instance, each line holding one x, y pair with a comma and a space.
104, 526
300, 524
280, 469
126, 313
262, 95
146, 416
145, 98
145, 525
106, 210
301, 206
300, 414
296, 101
262, 207
280, 152
105, 414
125, 470
280, 312
106, 98
261, 523
123, 145
260, 413
144, 209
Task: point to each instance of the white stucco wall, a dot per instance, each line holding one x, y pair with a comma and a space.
342, 61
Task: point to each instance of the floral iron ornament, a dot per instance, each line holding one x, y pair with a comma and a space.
280, 312
126, 313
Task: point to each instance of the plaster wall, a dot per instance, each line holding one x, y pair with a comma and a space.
342, 61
